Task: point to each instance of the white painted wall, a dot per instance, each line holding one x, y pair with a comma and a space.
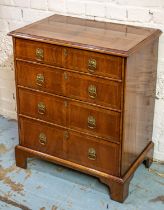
17, 13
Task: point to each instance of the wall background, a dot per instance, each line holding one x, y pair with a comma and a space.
17, 13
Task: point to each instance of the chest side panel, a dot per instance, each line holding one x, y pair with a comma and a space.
139, 99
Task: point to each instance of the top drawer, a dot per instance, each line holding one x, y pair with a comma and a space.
66, 57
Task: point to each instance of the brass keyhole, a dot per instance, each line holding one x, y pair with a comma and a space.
65, 76
65, 52
66, 135
65, 103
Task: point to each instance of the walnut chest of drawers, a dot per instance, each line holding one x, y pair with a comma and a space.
85, 96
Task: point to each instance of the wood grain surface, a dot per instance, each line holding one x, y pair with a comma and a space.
87, 34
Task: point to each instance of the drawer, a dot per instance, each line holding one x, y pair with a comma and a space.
78, 60
81, 149
94, 63
42, 138
40, 77
81, 87
43, 107
39, 52
94, 90
94, 121
74, 115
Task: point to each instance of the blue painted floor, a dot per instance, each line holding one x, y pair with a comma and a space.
46, 186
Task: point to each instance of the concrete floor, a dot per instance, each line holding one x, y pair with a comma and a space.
46, 186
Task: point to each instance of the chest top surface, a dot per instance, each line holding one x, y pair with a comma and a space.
105, 37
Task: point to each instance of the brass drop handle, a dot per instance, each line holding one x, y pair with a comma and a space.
66, 135
91, 122
40, 80
92, 91
42, 139
92, 154
92, 65
39, 54
41, 108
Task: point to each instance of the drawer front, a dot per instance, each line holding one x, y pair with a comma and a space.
95, 121
40, 77
43, 107
94, 90
94, 63
42, 138
100, 155
78, 60
39, 52
87, 88
78, 116
80, 149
